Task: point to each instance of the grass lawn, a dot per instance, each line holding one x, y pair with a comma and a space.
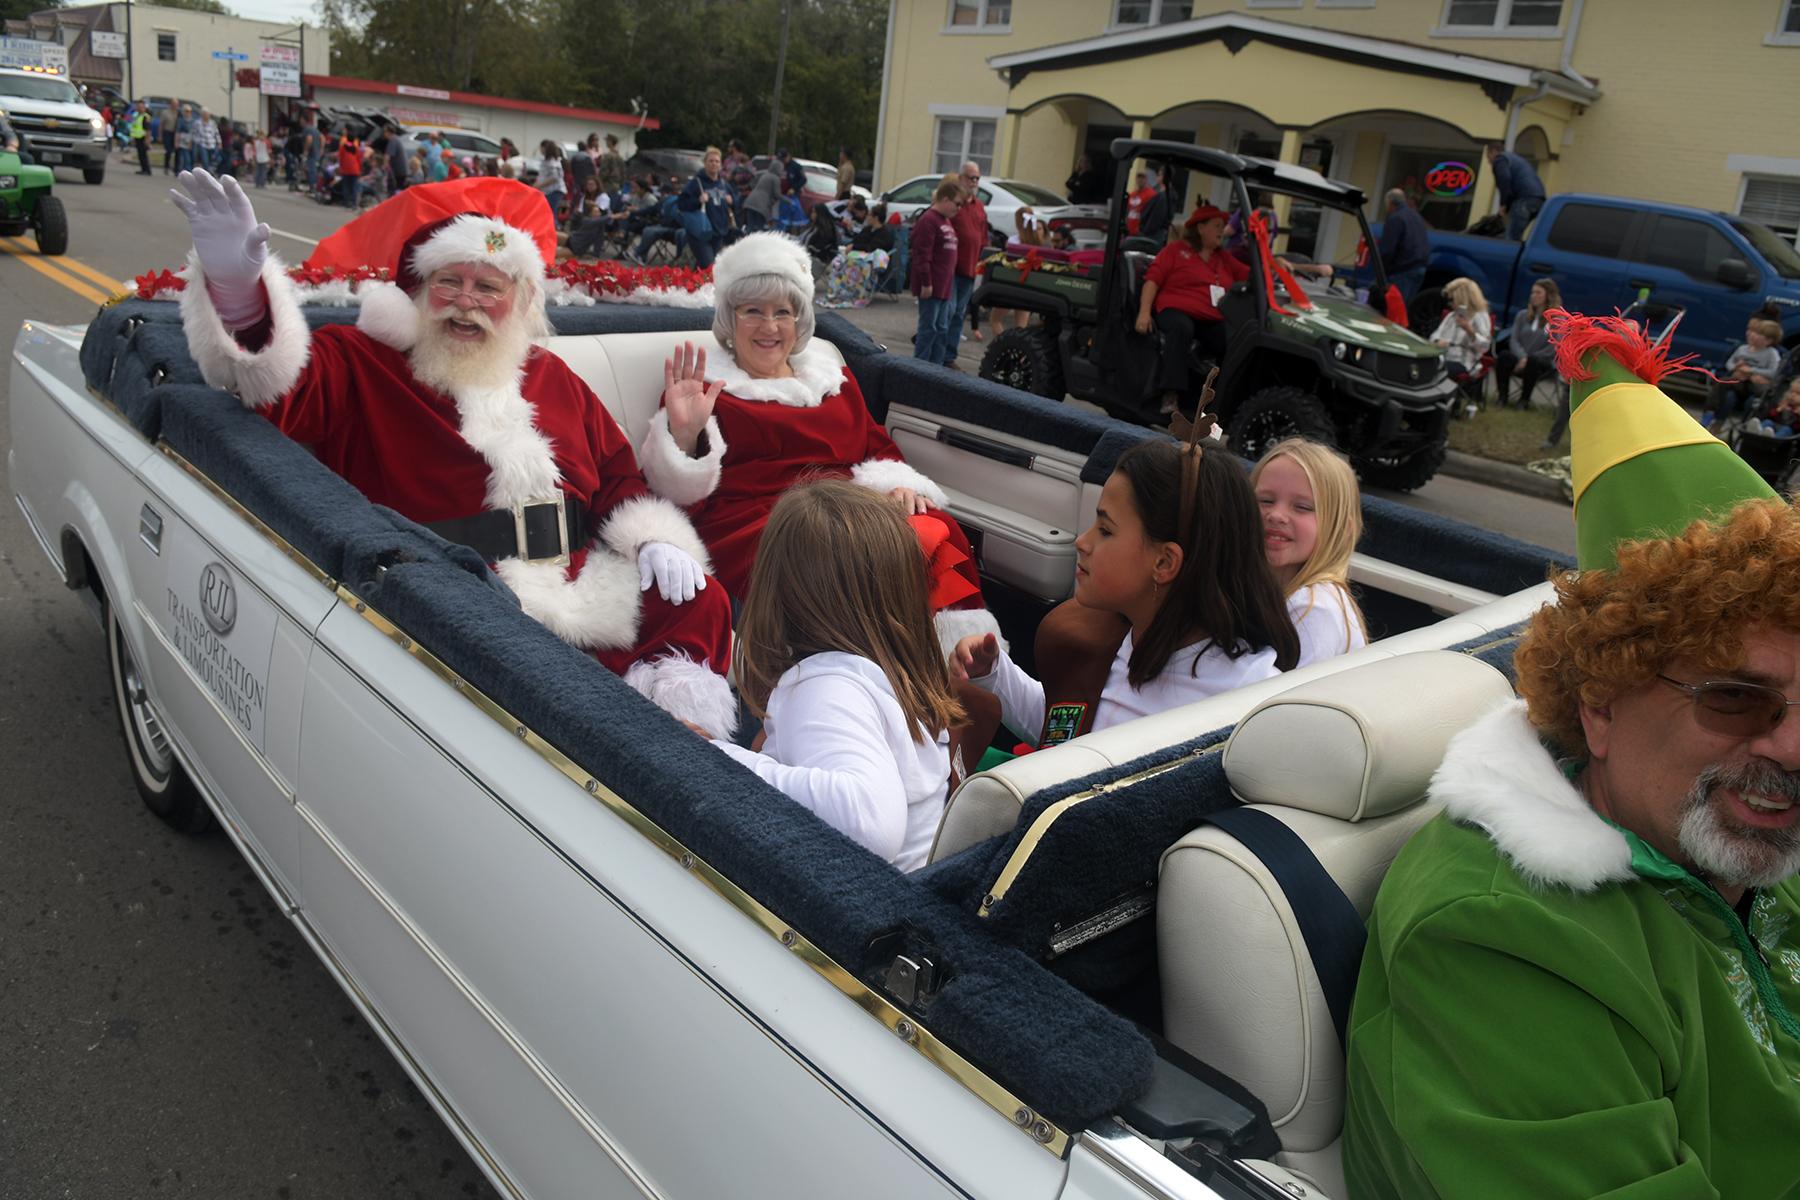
1506, 434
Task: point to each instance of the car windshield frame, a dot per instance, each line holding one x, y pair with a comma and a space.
10, 86
1775, 249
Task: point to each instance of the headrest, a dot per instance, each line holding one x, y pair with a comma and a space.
1361, 743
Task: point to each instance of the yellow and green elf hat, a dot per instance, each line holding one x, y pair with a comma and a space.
1642, 467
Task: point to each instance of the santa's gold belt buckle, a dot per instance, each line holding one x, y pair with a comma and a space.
523, 534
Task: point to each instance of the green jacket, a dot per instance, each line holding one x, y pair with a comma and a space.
1550, 1008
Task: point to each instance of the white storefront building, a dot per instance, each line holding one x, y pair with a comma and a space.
526, 122
210, 60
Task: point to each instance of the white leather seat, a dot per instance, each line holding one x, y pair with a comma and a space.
626, 369
1239, 990
989, 803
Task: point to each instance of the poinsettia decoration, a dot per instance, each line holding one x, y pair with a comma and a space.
571, 282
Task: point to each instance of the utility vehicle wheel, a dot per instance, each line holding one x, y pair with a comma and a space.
1402, 474
94, 174
1425, 311
1275, 413
164, 785
1025, 359
51, 225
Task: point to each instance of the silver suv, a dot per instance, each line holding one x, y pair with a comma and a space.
53, 124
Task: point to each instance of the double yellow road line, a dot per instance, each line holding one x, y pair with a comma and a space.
70, 273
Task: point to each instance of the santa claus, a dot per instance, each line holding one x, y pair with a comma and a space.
779, 408
438, 405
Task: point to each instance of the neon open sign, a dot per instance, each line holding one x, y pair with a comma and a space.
1450, 179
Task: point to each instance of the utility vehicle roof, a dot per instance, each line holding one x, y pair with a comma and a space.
1263, 173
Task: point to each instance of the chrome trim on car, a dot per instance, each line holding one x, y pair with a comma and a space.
43, 542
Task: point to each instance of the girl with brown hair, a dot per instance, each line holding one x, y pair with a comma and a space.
1176, 552
836, 652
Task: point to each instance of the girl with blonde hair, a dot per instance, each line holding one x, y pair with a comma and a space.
1312, 518
837, 653
1467, 330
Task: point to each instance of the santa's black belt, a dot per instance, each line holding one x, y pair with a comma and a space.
527, 531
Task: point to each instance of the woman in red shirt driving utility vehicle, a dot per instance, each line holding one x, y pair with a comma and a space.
1181, 295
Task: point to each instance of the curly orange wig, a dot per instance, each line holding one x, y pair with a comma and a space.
1688, 597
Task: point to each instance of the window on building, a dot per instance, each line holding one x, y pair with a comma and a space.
1790, 20
165, 47
963, 139
973, 14
1693, 248
1151, 12
1774, 202
1502, 14
1591, 229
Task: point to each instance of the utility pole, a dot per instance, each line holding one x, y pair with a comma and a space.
130, 91
780, 70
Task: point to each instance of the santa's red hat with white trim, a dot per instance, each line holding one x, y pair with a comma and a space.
500, 222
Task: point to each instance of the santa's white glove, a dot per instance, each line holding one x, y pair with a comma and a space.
229, 242
675, 572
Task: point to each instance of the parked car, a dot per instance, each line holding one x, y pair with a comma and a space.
1003, 198
1330, 368
1605, 251
54, 126
617, 962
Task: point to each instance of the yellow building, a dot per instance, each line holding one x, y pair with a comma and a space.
1661, 99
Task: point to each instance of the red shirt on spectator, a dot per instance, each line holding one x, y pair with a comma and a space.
1134, 208
971, 236
934, 251
1184, 281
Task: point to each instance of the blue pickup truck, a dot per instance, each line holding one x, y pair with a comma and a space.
1604, 251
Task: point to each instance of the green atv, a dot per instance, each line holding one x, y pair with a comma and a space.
26, 203
1333, 369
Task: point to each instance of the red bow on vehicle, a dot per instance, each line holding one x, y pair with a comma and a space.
941, 562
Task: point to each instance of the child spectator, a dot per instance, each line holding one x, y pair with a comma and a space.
1176, 552
1312, 518
1784, 418
1528, 348
836, 652
934, 273
1466, 331
1748, 373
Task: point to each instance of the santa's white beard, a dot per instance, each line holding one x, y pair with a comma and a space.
451, 364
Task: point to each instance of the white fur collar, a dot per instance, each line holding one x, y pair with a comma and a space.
1497, 776
817, 374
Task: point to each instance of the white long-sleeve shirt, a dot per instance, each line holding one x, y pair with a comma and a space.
838, 744
1189, 675
1465, 346
1321, 613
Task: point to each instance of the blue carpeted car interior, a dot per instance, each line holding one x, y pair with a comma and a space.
1450, 550
1496, 649
945, 393
1061, 1051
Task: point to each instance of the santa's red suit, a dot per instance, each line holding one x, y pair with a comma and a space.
768, 434
349, 393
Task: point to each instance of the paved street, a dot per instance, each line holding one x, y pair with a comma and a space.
162, 1030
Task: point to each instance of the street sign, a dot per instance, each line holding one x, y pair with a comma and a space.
231, 55
280, 71
29, 52
106, 45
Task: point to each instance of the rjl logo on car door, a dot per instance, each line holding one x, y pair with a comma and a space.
222, 629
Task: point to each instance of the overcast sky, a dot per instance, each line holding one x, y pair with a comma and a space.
291, 12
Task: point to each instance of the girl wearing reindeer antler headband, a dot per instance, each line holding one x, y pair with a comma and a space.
1174, 601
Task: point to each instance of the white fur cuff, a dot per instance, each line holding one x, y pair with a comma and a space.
257, 377
674, 474
388, 315
955, 624
687, 691
648, 519
598, 610
885, 474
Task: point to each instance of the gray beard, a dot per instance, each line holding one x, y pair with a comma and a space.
1732, 854
451, 366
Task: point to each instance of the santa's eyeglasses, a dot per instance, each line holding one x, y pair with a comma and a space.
484, 292
1734, 708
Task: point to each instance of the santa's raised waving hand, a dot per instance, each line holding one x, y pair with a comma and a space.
230, 243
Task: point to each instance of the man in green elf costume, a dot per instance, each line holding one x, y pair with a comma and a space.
1583, 977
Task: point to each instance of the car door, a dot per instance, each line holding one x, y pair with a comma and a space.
1589, 241
1678, 258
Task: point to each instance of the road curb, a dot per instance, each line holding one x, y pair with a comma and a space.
1512, 478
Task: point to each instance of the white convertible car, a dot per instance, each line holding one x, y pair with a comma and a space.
616, 962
